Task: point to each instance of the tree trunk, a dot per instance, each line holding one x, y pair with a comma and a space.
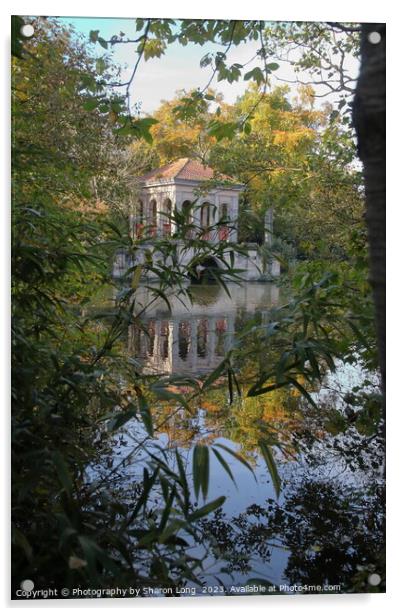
369, 121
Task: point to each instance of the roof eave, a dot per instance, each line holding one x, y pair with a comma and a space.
185, 182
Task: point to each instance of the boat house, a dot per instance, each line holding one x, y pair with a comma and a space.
208, 203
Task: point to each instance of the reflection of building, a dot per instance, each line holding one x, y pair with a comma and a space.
170, 197
194, 338
192, 345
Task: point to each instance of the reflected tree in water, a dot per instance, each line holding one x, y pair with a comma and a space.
332, 535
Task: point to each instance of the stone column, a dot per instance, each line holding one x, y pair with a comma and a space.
177, 200
215, 217
175, 343
159, 217
211, 337
229, 335
233, 212
193, 345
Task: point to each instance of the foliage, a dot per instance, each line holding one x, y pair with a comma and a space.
320, 55
73, 385
317, 546
68, 222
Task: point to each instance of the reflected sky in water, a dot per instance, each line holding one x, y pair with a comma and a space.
194, 336
328, 518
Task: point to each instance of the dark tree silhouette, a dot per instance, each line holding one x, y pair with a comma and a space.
369, 121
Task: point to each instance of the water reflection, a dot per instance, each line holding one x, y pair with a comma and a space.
328, 524
193, 337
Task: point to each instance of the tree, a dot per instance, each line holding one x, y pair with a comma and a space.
369, 120
331, 37
73, 385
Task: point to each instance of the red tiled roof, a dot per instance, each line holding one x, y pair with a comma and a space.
182, 169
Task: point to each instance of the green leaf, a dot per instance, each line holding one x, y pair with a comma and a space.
183, 478
147, 484
93, 552
257, 390
271, 465
206, 509
18, 538
236, 455
303, 391
145, 414
102, 42
136, 277
163, 393
138, 128
152, 48
215, 374
63, 472
224, 464
201, 470
100, 65
121, 419
91, 104
222, 130
169, 498
93, 36
171, 529
256, 74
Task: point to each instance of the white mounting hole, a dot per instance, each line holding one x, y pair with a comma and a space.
27, 585
374, 38
374, 579
27, 30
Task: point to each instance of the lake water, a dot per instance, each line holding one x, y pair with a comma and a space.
326, 526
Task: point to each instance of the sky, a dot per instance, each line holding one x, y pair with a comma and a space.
159, 78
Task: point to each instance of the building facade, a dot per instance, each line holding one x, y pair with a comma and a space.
186, 191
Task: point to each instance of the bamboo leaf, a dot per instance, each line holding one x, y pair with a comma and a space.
173, 527
238, 457
271, 465
302, 390
145, 413
63, 472
201, 470
215, 374
206, 509
225, 465
121, 419
136, 277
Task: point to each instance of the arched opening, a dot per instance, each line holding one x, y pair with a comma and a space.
167, 218
186, 212
139, 219
224, 230
204, 271
152, 217
205, 218
186, 208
